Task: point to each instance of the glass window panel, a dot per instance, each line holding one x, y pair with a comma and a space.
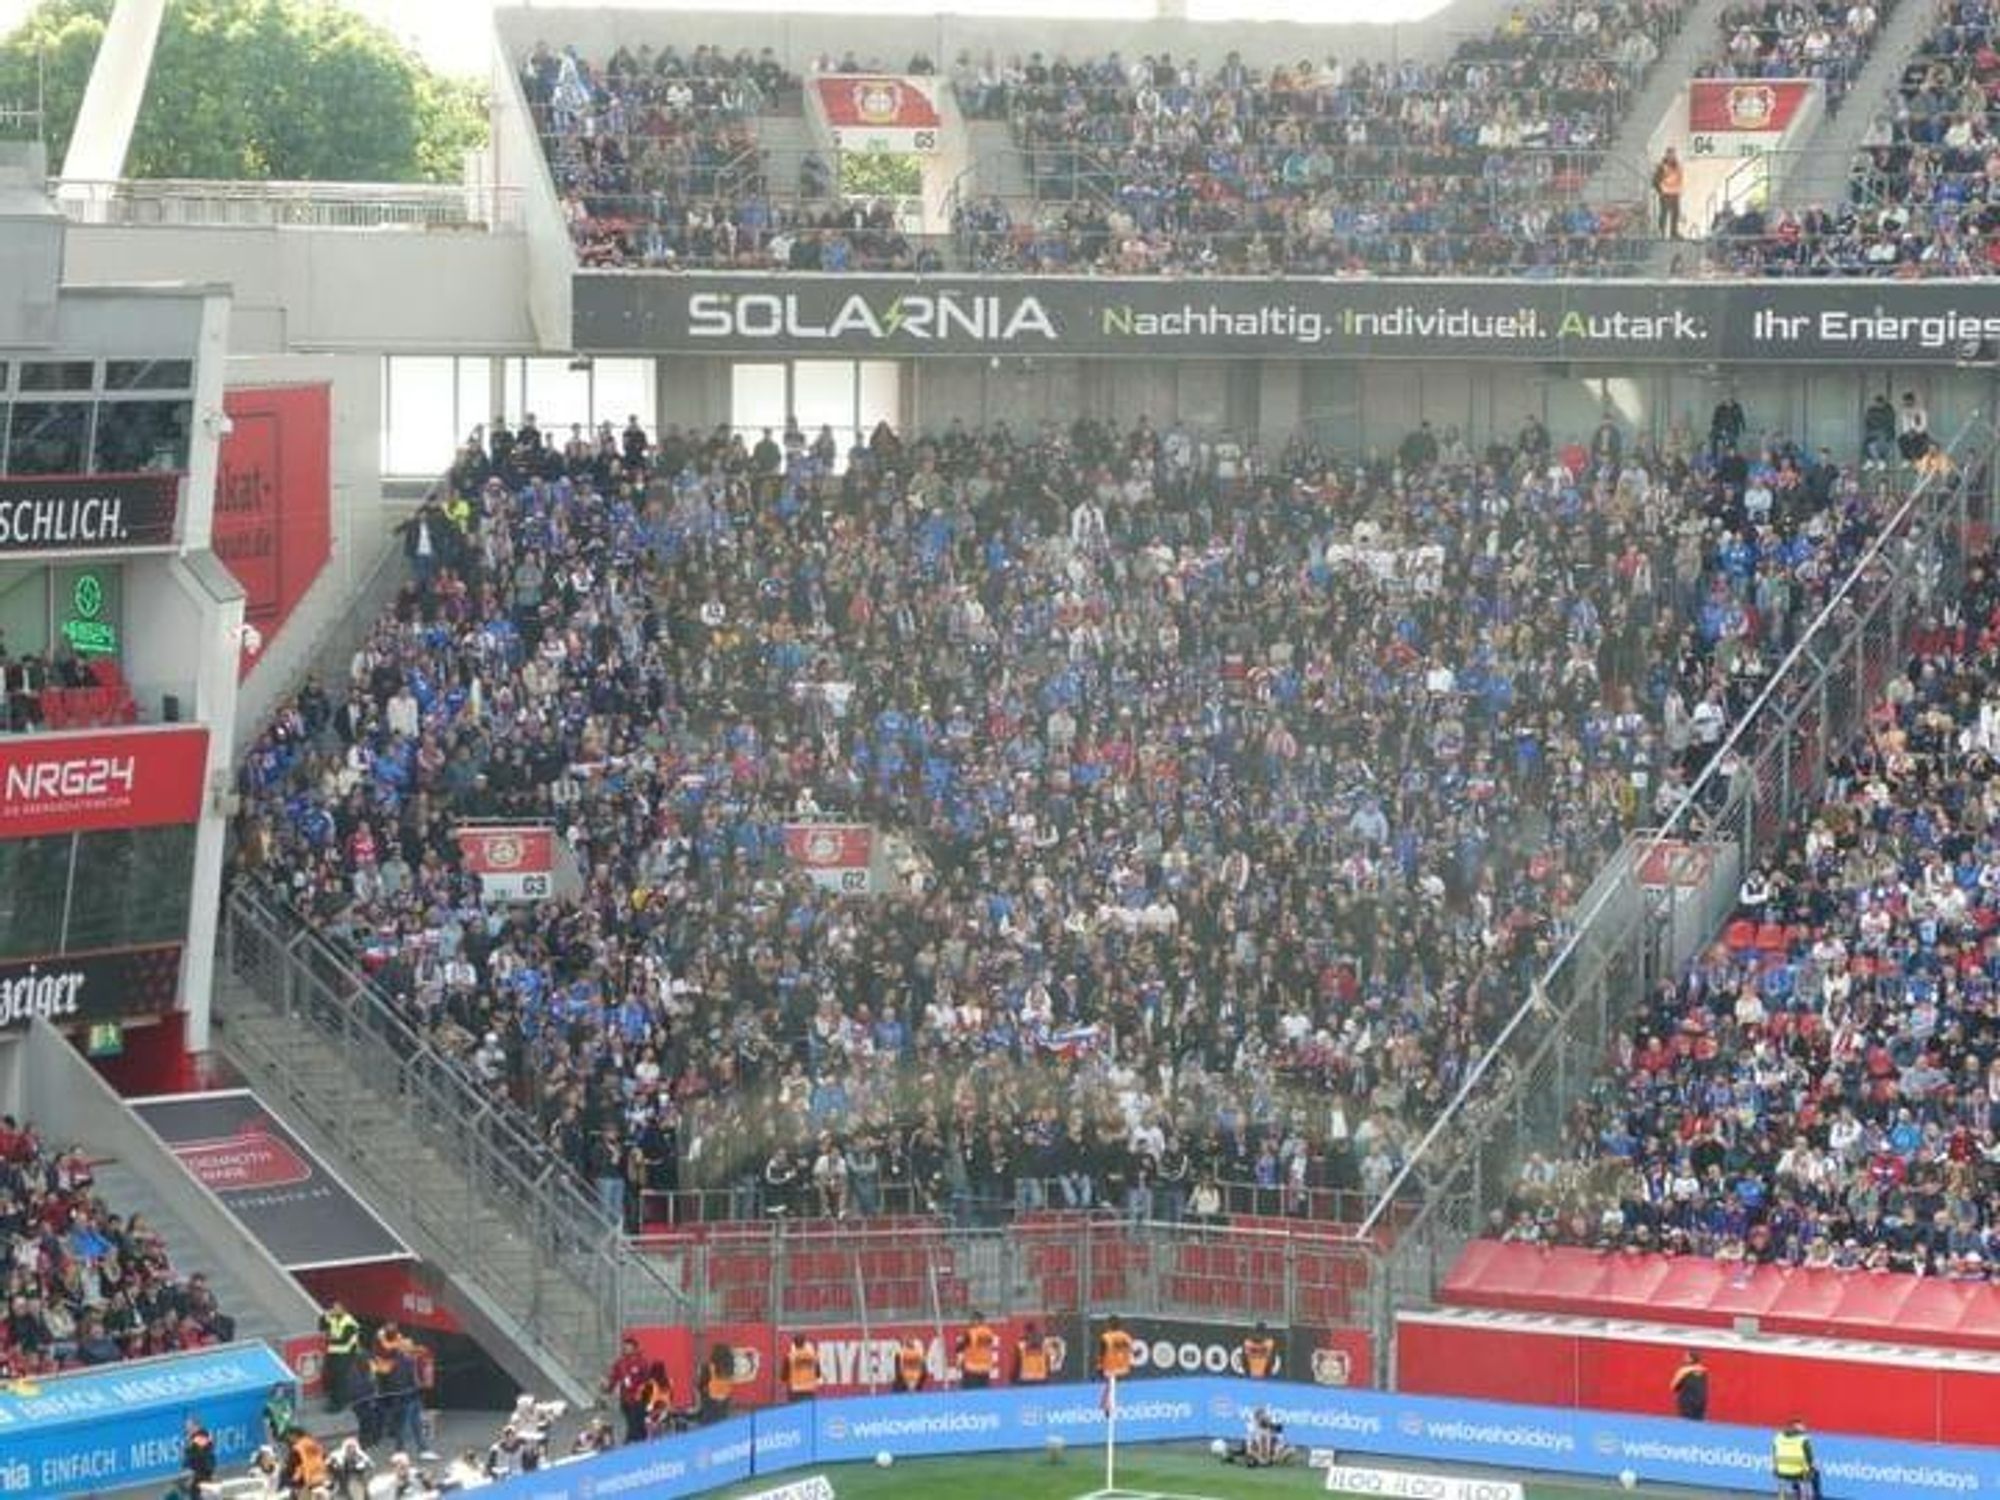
419, 411
557, 397
131, 888
510, 391
48, 437
881, 393
621, 389
756, 399
475, 395
24, 611
136, 436
823, 392
149, 375
55, 375
34, 878
6, 371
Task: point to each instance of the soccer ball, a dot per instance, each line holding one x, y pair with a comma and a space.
1219, 1448
1629, 1479
884, 1459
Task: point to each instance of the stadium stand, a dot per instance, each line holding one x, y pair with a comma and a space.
1474, 166
83, 1285
1787, 39
657, 162
1919, 194
993, 643
1820, 1088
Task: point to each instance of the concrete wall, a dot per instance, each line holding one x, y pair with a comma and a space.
516, 162
1358, 407
887, 41
294, 290
67, 1101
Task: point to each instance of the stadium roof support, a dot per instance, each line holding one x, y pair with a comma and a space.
103, 134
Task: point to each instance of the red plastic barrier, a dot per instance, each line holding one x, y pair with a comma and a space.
1704, 1293
1762, 1382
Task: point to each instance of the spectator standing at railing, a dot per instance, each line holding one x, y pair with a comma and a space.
1667, 181
625, 1383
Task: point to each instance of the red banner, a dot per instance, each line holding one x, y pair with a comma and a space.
83, 783
876, 103
306, 1354
404, 1292
508, 851
1557, 1362
273, 500
1745, 105
513, 863
836, 856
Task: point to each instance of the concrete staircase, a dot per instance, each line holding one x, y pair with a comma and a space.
529, 1272
786, 141
1821, 175
1000, 170
1625, 173
132, 1195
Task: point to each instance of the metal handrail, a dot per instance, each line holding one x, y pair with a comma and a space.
326, 205
571, 1239
1467, 1122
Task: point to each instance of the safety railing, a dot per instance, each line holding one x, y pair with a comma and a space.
563, 1270
1767, 773
753, 1200
198, 204
826, 1273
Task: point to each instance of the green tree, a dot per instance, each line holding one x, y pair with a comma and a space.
295, 89
880, 174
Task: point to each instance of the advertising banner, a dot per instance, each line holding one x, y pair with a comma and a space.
877, 112
88, 513
1190, 1346
81, 783
1595, 1445
120, 1426
79, 988
1330, 1356
513, 863
273, 500
1745, 108
1296, 317
303, 1214
836, 856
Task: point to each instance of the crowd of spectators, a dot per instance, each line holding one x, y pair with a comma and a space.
1924, 195
1473, 165
1822, 1088
1243, 791
82, 1285
1823, 39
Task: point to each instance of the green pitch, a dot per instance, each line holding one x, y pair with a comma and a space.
1146, 1474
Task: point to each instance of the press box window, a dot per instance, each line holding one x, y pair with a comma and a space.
77, 893
48, 437
136, 437
149, 375
56, 375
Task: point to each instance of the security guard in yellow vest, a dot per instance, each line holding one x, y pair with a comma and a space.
343, 1350
1260, 1354
1792, 1462
912, 1365
1032, 1360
